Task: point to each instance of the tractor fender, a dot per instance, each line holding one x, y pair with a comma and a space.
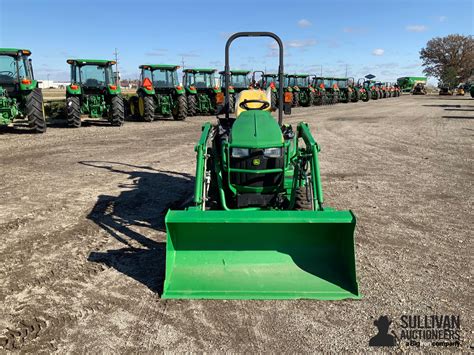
28, 86
145, 92
216, 90
112, 91
179, 90
70, 91
191, 91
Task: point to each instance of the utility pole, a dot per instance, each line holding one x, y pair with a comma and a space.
346, 70
182, 62
117, 75
321, 70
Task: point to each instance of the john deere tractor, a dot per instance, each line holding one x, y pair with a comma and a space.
269, 81
345, 90
301, 85
364, 91
372, 89
20, 97
321, 96
204, 96
159, 93
258, 227
239, 81
355, 90
332, 90
93, 92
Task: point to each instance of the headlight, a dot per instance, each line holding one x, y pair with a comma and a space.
272, 152
240, 152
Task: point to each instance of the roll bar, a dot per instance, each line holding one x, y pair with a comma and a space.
280, 69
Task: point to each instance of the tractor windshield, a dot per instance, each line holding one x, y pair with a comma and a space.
200, 80
300, 81
14, 68
270, 79
240, 81
327, 83
342, 84
163, 78
95, 76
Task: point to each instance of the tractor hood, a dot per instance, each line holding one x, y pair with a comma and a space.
256, 129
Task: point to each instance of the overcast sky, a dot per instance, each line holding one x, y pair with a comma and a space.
378, 37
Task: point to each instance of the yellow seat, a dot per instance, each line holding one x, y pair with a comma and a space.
252, 94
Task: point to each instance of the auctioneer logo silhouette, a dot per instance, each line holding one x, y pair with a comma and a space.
382, 338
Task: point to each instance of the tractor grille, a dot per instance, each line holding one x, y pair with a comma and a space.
250, 163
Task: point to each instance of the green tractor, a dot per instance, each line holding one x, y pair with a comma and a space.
239, 81
159, 93
321, 96
258, 227
203, 95
364, 91
331, 89
267, 81
345, 90
20, 96
301, 85
372, 89
93, 92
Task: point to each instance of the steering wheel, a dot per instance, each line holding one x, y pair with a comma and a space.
7, 73
265, 105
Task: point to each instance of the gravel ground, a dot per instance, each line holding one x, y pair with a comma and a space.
82, 233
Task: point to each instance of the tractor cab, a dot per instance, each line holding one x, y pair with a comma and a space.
299, 80
200, 79
159, 76
92, 75
16, 72
269, 80
239, 80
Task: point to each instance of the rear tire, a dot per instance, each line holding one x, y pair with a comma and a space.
296, 99
273, 98
191, 104
181, 111
133, 103
73, 112
231, 103
35, 111
147, 110
118, 111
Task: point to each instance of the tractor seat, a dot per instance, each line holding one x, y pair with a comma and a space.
251, 94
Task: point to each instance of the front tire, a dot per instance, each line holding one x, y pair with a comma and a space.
296, 99
35, 111
181, 110
118, 111
73, 111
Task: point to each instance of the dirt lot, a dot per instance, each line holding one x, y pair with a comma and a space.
82, 233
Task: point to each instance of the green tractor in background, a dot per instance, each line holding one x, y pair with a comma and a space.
258, 227
159, 93
345, 91
321, 96
301, 85
94, 92
364, 92
203, 95
331, 89
239, 81
372, 89
20, 96
268, 81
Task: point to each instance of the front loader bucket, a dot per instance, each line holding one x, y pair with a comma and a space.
260, 255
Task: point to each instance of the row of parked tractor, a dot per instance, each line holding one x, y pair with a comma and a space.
93, 91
